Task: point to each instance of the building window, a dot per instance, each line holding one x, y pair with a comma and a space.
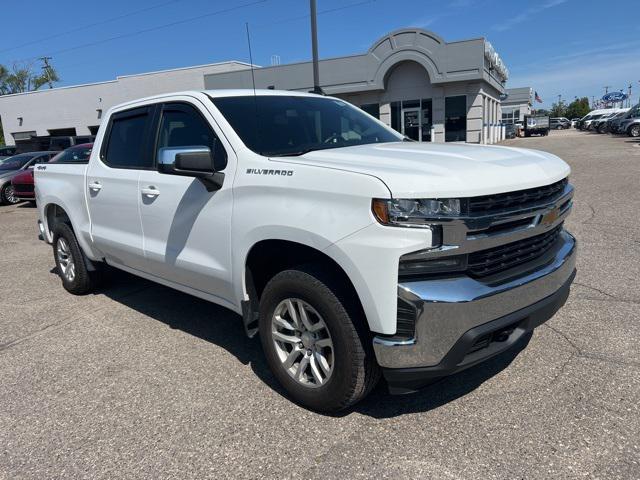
94, 129
455, 121
23, 135
510, 117
395, 116
427, 119
372, 109
62, 132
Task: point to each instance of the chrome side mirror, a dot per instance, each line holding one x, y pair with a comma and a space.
192, 161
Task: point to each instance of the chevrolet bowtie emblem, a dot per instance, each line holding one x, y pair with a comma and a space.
550, 217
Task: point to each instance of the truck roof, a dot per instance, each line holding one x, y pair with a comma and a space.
239, 92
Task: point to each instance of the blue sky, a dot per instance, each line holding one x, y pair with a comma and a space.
567, 47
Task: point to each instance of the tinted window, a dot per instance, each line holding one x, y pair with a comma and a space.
16, 162
73, 155
276, 125
126, 140
182, 126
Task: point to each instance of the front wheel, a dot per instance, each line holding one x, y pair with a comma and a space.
8, 195
315, 342
634, 131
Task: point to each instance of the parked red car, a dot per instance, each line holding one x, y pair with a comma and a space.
23, 183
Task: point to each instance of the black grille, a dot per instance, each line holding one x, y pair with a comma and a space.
519, 200
23, 188
504, 257
406, 319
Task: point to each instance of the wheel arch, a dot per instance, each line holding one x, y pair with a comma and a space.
268, 257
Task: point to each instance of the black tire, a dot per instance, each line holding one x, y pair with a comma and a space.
355, 370
84, 281
634, 131
5, 195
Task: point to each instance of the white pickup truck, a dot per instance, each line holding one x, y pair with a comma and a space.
353, 252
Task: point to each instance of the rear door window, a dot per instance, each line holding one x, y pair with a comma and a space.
127, 136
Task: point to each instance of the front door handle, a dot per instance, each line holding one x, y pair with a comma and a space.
95, 186
150, 192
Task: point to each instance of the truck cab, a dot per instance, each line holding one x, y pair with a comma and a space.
352, 253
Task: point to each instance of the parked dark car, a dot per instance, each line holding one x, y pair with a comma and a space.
560, 123
622, 123
12, 166
7, 152
510, 131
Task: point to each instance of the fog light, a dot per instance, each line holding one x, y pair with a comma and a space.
419, 264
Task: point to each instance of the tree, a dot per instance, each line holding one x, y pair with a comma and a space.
23, 78
578, 108
558, 109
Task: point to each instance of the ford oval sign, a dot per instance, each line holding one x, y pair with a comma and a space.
614, 97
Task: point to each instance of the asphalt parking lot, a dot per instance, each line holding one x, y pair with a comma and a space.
139, 381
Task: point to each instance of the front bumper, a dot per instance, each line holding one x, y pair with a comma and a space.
454, 313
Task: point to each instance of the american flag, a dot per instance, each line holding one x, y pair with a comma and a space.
538, 99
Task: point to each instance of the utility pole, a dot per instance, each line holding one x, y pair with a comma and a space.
314, 47
47, 69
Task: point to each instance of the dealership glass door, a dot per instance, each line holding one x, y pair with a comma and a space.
411, 123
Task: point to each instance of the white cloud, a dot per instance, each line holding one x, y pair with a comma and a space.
527, 14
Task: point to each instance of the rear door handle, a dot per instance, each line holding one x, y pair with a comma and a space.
150, 192
95, 186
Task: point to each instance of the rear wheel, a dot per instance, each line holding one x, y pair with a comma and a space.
8, 195
71, 262
634, 131
315, 342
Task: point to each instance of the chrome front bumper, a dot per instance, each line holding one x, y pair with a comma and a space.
447, 308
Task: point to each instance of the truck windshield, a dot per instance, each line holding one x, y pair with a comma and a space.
276, 125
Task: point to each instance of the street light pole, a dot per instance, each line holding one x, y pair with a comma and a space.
314, 47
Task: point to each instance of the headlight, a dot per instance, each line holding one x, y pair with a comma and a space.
414, 212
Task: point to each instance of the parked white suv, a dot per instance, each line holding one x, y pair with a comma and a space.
352, 252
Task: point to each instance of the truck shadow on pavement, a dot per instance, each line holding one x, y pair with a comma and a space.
223, 328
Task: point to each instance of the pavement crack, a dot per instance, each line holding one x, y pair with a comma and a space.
592, 214
594, 288
565, 336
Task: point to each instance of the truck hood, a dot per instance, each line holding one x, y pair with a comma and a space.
432, 170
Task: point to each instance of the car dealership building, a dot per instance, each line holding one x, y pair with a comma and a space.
411, 79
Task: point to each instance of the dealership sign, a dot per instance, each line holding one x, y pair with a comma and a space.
614, 97
494, 61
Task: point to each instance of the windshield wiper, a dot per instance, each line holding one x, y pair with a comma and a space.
297, 153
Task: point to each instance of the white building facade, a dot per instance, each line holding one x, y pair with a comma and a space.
78, 110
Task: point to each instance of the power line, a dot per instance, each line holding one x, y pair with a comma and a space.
320, 12
157, 27
91, 25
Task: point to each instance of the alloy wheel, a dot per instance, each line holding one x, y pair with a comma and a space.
65, 260
10, 195
302, 342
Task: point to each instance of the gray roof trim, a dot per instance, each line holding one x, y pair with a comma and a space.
444, 62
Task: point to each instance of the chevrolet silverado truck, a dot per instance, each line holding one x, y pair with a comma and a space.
352, 253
